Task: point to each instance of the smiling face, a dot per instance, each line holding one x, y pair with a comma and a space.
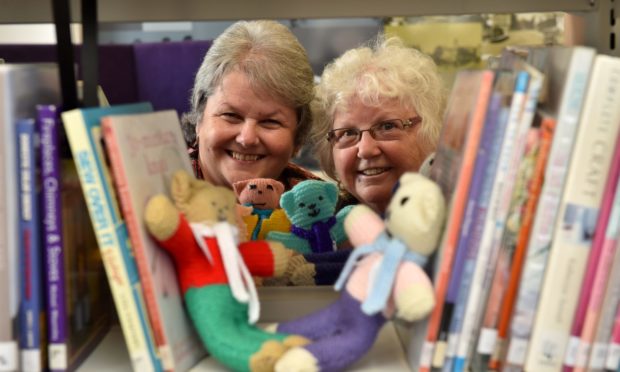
244, 134
370, 169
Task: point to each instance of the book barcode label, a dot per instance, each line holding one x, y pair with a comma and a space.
486, 343
517, 351
583, 354
570, 358
453, 339
427, 354
440, 354
599, 353
8, 356
57, 356
31, 360
613, 357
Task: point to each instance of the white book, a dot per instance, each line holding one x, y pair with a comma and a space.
576, 222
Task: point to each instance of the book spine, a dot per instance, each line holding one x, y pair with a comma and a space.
522, 111
598, 272
456, 215
541, 236
581, 199
483, 162
613, 354
9, 354
141, 259
607, 255
499, 336
31, 306
48, 126
113, 242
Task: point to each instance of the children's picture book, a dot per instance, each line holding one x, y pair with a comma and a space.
83, 128
145, 150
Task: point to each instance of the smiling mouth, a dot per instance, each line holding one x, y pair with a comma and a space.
373, 171
314, 213
244, 157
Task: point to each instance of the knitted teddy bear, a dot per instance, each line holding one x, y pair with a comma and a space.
263, 196
198, 229
310, 207
388, 280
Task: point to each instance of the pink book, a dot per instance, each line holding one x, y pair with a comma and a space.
597, 271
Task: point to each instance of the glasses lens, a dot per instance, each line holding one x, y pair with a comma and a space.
345, 137
388, 130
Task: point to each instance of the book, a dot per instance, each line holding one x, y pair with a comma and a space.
492, 335
595, 281
567, 70
521, 114
31, 314
22, 87
613, 354
484, 170
452, 170
83, 130
76, 287
604, 329
139, 175
590, 160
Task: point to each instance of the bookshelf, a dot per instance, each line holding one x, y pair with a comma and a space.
601, 31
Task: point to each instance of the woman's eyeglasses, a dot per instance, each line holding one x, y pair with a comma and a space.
386, 130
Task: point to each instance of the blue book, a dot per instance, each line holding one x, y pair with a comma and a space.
31, 315
84, 133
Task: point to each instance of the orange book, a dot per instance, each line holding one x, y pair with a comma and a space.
452, 170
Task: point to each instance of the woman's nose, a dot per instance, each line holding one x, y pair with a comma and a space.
367, 147
248, 134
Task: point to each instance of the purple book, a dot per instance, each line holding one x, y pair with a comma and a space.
48, 125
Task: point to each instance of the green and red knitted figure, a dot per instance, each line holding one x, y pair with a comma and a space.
199, 230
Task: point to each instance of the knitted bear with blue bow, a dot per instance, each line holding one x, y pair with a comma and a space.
310, 207
383, 278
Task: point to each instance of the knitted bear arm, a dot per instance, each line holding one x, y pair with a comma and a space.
258, 258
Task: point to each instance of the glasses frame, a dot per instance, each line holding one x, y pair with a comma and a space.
406, 123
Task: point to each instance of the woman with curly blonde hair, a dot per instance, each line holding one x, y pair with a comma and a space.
378, 112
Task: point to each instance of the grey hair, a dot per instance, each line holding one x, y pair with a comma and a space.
385, 69
273, 60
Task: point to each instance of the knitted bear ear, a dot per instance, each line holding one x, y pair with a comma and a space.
332, 192
239, 186
181, 187
278, 186
287, 201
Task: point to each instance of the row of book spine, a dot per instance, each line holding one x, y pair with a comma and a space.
522, 273
71, 238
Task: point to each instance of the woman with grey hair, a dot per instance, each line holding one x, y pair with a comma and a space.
378, 113
250, 106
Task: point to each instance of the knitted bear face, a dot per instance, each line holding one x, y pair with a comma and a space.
260, 193
310, 201
200, 201
416, 212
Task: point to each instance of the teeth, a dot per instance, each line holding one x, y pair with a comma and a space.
244, 157
373, 171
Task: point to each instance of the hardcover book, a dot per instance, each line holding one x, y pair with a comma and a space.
145, 150
83, 130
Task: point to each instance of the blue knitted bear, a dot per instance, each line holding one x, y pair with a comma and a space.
310, 207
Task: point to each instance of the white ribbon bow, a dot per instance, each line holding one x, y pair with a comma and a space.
239, 277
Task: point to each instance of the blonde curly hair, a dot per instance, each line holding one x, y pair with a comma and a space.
383, 70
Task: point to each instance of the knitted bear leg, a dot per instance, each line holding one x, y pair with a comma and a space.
326, 273
223, 326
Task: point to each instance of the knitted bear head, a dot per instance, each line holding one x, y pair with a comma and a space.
260, 193
416, 213
310, 201
200, 201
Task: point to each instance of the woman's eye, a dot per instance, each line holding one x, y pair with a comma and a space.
271, 124
231, 117
387, 126
349, 133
